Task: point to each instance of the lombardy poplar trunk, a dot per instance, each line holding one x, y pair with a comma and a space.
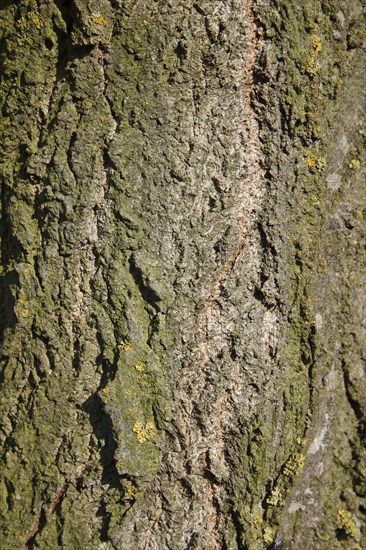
182, 252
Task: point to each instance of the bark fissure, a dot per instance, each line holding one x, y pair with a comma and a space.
39, 525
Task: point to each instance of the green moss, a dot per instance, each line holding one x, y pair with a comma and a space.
312, 81
98, 319
50, 212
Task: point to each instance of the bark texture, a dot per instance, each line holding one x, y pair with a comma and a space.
182, 290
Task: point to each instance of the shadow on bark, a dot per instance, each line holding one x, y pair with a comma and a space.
103, 430
7, 313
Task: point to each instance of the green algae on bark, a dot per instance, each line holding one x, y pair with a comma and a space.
181, 223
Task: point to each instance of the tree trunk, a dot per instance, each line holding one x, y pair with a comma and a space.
182, 235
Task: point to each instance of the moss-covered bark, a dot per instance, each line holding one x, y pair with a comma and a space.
182, 235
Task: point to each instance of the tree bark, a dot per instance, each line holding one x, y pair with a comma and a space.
182, 281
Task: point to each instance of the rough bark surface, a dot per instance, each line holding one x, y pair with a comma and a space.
182, 297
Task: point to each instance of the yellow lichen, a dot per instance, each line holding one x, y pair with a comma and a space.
22, 37
140, 367
313, 66
358, 214
294, 465
268, 535
324, 536
257, 520
33, 18
346, 523
314, 199
132, 492
145, 384
355, 164
312, 161
144, 433
317, 44
319, 163
106, 393
125, 345
36, 19
101, 21
276, 497
258, 532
